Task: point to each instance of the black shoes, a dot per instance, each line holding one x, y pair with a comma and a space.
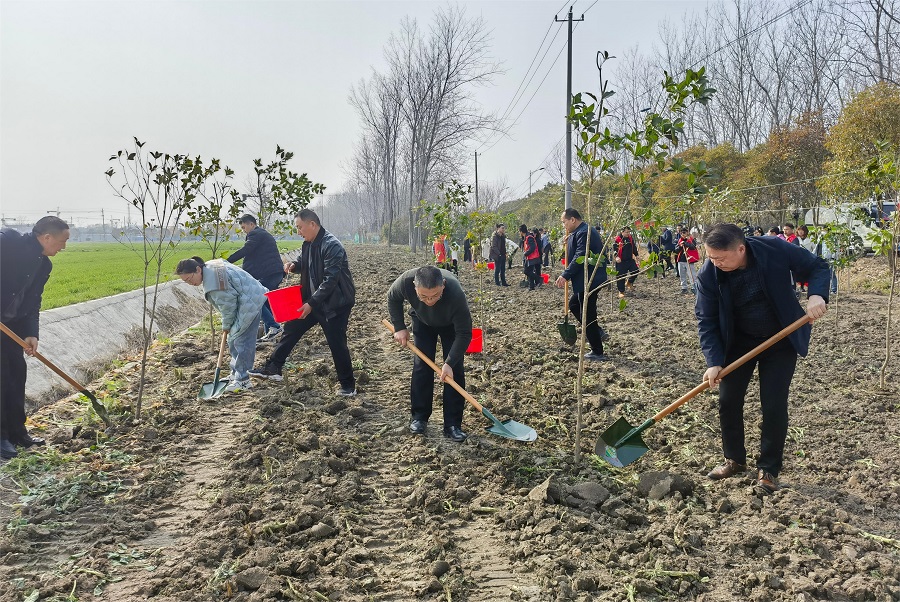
27, 441
596, 357
417, 427
454, 433
266, 372
7, 449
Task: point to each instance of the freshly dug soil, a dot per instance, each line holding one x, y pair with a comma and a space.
287, 492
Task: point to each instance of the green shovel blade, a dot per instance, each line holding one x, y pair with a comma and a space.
568, 332
213, 389
620, 444
509, 429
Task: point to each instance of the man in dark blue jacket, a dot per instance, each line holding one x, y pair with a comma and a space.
745, 295
262, 261
578, 234
328, 296
24, 269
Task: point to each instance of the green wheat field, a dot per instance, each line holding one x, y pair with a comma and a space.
90, 270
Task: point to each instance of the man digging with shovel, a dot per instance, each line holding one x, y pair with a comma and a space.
438, 308
745, 295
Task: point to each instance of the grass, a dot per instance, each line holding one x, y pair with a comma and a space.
86, 270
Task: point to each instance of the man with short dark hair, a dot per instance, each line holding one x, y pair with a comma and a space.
328, 296
744, 296
439, 309
262, 261
581, 239
24, 270
498, 255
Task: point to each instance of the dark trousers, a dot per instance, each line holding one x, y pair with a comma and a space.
625, 271
421, 389
533, 272
335, 331
500, 271
13, 371
776, 369
547, 254
667, 257
592, 331
271, 283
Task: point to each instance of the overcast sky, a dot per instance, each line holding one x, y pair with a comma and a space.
232, 79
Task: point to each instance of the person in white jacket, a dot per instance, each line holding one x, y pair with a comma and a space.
239, 297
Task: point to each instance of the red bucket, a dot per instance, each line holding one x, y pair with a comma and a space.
285, 303
546, 278
490, 265
477, 343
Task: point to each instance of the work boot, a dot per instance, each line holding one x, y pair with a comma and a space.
729, 469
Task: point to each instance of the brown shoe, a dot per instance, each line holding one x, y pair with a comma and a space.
729, 469
767, 481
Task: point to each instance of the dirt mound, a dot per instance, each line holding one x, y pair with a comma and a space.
287, 492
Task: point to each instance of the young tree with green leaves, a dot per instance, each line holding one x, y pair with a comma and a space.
599, 149
162, 187
281, 193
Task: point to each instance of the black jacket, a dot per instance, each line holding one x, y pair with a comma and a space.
575, 247
774, 260
260, 255
325, 271
24, 271
498, 247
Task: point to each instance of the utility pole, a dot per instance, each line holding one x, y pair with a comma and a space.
476, 180
569, 108
529, 178
103, 220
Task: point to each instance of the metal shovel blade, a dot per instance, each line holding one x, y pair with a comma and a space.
621, 444
509, 429
568, 332
213, 389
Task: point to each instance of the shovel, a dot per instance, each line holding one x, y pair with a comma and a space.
621, 444
216, 387
509, 429
98, 407
566, 330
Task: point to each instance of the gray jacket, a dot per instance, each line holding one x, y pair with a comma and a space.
236, 294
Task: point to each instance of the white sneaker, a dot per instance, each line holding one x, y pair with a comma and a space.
238, 385
272, 334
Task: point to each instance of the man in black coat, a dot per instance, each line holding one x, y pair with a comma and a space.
262, 261
582, 238
498, 255
439, 309
24, 270
745, 295
328, 296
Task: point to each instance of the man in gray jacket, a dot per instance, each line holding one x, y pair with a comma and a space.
328, 296
262, 261
438, 308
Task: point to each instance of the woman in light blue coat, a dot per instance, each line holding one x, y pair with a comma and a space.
239, 297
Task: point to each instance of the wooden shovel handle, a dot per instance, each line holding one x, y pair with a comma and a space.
222, 350
566, 301
43, 359
434, 367
732, 367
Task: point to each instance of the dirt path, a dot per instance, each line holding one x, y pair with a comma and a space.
291, 493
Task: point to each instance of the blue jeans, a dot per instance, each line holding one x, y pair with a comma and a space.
271, 283
243, 352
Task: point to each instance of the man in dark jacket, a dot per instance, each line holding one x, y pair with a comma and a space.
24, 269
667, 242
328, 296
745, 296
498, 255
438, 308
262, 261
576, 244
